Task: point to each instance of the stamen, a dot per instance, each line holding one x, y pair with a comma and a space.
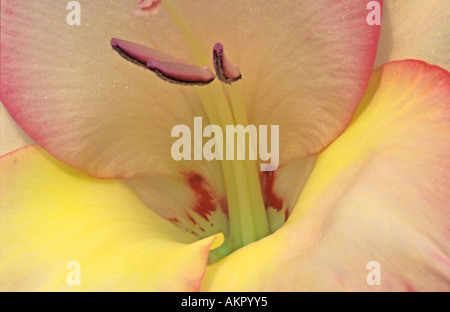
147, 7
225, 70
163, 65
183, 74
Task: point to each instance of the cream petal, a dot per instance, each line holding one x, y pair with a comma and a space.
305, 66
68, 89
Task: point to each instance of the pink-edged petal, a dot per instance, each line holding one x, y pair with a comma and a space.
305, 64
378, 195
415, 29
62, 230
77, 98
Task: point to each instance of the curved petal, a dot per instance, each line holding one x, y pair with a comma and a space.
89, 108
82, 102
415, 29
380, 193
52, 216
196, 201
12, 136
304, 64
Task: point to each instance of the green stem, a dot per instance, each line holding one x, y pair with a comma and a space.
251, 167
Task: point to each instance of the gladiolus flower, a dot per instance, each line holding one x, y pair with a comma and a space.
364, 167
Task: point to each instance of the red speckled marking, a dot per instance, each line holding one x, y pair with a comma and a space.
224, 205
191, 219
204, 200
174, 220
271, 200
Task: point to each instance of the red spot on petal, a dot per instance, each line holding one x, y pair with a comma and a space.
271, 200
174, 220
191, 219
204, 200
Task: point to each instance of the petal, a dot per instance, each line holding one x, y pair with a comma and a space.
52, 215
305, 64
12, 136
415, 29
282, 188
380, 193
80, 101
195, 201
76, 97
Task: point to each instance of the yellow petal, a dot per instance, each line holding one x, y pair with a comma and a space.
379, 193
55, 220
415, 29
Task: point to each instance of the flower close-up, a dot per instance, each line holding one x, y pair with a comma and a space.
226, 145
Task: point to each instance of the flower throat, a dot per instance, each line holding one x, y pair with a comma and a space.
224, 106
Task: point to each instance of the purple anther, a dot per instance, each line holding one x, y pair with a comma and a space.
165, 66
225, 70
